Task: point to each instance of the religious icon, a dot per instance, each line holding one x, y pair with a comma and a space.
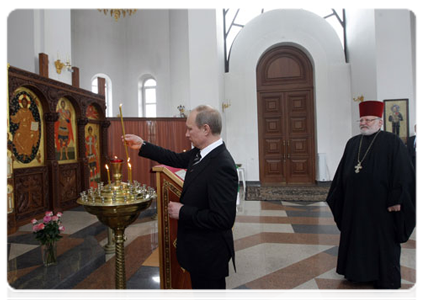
63, 131
92, 150
395, 118
8, 163
181, 109
24, 126
9, 198
92, 113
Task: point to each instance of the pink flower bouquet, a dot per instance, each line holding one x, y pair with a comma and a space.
48, 233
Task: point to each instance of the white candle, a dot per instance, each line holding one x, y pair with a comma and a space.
130, 172
108, 173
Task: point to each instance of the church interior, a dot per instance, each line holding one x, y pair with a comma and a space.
287, 82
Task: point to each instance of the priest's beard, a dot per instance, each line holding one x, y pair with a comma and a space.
369, 129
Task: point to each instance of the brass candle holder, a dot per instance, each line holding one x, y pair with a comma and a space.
117, 171
117, 205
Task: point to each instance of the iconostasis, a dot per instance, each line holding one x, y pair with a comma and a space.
56, 143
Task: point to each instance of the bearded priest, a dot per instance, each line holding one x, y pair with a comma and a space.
372, 199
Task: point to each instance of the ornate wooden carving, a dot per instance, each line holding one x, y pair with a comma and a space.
82, 159
56, 184
69, 185
101, 85
43, 64
75, 77
50, 119
169, 188
31, 192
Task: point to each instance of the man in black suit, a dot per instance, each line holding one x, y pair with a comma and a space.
207, 208
411, 146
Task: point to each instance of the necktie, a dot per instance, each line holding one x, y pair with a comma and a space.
196, 159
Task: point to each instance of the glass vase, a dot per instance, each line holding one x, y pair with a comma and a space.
49, 254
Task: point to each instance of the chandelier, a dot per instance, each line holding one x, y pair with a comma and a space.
117, 13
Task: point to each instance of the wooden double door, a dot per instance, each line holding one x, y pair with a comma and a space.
286, 117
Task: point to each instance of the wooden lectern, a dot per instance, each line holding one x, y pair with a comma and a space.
169, 188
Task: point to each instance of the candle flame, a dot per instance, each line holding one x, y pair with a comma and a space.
107, 167
115, 157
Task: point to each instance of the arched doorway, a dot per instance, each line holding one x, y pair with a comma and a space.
285, 106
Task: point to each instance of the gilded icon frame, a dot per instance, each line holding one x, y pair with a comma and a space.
396, 117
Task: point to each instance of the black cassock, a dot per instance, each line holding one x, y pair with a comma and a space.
369, 248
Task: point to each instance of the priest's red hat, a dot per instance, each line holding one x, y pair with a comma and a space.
371, 108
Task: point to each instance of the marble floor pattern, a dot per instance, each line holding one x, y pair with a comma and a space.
279, 245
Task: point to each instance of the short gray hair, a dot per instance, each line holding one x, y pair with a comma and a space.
210, 116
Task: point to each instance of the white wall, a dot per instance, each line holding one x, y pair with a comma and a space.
147, 52
177, 47
31, 32
415, 41
20, 24
56, 31
315, 37
395, 64
179, 60
381, 53
205, 66
196, 65
361, 36
124, 50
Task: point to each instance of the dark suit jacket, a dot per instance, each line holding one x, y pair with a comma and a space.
205, 241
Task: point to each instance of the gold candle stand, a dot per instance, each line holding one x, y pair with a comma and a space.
117, 205
117, 171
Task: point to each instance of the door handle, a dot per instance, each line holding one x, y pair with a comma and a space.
284, 151
289, 154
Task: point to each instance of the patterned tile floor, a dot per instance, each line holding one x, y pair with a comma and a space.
279, 245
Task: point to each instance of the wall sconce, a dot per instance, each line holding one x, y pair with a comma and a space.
225, 106
359, 99
59, 66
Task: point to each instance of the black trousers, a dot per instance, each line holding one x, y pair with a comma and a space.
207, 283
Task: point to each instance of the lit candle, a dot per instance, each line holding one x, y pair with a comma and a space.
130, 171
123, 130
108, 173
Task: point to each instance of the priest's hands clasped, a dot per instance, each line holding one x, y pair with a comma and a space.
394, 208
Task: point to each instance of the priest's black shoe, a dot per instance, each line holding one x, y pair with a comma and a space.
383, 293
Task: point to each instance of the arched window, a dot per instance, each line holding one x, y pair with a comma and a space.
108, 96
147, 103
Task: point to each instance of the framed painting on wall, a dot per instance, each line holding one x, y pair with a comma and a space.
395, 117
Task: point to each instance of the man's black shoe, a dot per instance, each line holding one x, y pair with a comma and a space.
383, 293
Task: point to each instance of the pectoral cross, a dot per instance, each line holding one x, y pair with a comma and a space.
358, 167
